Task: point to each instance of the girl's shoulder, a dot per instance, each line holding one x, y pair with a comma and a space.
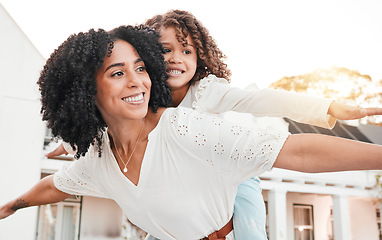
204, 82
205, 86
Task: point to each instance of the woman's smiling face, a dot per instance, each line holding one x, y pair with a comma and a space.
123, 84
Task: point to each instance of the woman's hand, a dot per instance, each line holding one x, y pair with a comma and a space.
57, 152
346, 112
5, 211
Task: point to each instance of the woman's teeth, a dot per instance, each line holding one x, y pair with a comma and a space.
133, 99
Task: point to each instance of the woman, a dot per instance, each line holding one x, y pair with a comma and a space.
174, 172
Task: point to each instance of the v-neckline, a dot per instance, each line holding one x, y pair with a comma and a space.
115, 161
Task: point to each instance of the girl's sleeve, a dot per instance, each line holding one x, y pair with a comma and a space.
216, 96
76, 178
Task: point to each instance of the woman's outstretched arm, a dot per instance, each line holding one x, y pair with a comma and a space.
315, 153
44, 192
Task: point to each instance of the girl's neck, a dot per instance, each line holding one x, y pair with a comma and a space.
178, 95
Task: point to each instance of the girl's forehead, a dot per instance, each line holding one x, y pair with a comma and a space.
168, 33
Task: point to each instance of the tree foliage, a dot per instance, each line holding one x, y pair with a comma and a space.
342, 84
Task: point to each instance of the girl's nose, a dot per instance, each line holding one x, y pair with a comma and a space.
174, 58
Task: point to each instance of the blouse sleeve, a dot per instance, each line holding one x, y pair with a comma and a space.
76, 178
216, 96
233, 151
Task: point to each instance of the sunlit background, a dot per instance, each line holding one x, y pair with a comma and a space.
264, 40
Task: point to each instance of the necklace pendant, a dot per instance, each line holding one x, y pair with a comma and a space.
125, 169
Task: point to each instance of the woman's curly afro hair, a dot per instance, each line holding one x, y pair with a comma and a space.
68, 82
210, 57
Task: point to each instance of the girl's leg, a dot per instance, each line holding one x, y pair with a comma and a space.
149, 237
249, 216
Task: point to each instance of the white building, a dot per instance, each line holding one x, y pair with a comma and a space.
300, 206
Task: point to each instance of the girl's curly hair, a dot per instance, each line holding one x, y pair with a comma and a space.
210, 57
68, 82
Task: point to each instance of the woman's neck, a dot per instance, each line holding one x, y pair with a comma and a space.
126, 133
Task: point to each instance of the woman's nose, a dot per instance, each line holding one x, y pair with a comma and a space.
133, 80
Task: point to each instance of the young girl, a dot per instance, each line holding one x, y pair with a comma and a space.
198, 79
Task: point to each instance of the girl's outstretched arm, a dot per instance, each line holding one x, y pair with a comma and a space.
44, 192
346, 112
315, 153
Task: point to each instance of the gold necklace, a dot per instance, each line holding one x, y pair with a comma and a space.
125, 164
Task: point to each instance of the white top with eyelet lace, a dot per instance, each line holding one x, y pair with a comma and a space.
215, 95
192, 166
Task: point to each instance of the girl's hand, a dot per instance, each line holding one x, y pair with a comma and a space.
346, 112
57, 152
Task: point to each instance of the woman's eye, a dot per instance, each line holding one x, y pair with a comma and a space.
117, 74
141, 69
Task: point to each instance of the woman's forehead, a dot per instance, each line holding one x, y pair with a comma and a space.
122, 51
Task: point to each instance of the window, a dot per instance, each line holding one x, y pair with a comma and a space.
48, 137
303, 222
266, 219
331, 222
59, 221
378, 214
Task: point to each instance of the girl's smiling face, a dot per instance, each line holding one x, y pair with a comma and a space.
123, 84
181, 60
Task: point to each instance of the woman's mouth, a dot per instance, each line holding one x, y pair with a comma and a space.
134, 99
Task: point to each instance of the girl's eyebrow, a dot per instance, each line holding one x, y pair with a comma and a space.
168, 43
122, 64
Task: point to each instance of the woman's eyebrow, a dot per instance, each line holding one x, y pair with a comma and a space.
115, 65
122, 64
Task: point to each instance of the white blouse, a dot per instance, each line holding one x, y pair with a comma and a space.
192, 166
215, 95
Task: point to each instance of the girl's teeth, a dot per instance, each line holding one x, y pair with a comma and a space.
175, 71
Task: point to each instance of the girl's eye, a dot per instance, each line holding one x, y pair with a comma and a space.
187, 52
117, 74
166, 50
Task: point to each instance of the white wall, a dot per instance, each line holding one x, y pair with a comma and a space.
21, 128
363, 213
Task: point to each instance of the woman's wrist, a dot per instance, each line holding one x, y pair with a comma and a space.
6, 210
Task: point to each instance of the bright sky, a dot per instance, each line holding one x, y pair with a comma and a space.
264, 40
